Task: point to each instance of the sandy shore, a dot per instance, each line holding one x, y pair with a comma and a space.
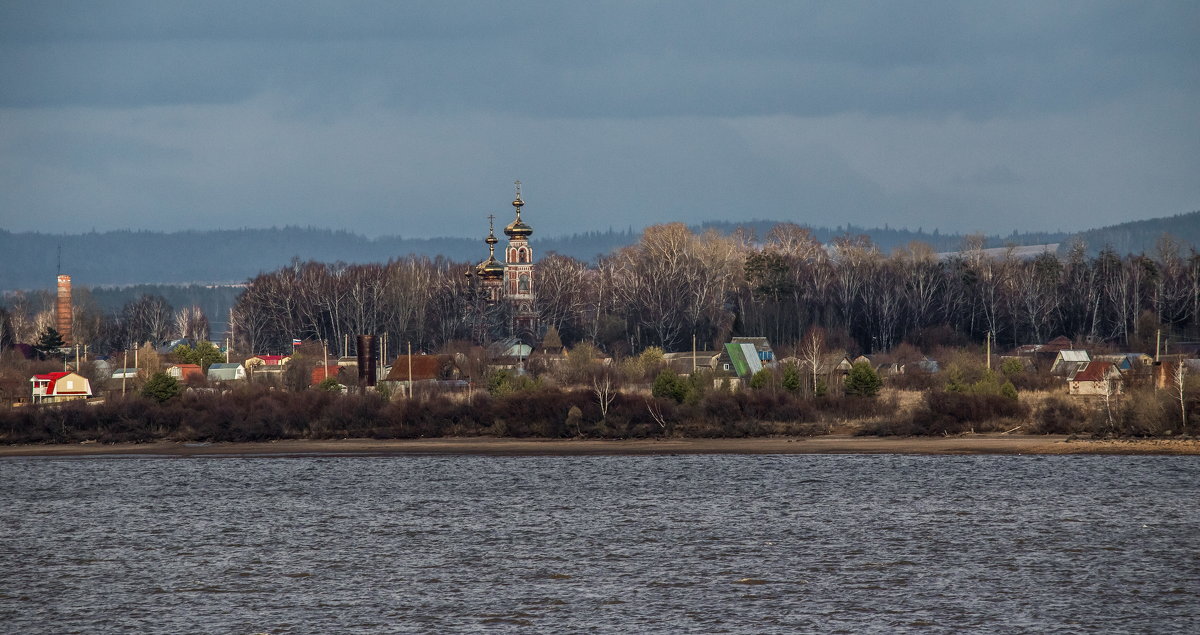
831, 444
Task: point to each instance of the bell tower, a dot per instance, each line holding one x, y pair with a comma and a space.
518, 273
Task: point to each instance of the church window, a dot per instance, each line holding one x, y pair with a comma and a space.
523, 284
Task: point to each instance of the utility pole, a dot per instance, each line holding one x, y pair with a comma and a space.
989, 350
410, 385
124, 369
693, 353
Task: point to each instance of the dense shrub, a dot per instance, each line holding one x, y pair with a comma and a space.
1060, 415
948, 412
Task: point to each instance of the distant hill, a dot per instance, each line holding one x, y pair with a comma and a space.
121, 258
1142, 236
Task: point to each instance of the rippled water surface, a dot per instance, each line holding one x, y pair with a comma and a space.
704, 544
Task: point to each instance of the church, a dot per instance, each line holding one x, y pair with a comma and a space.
504, 291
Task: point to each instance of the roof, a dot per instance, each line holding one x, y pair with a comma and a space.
223, 366
1074, 356
187, 372
270, 359
744, 358
52, 386
760, 343
423, 367
682, 362
1094, 371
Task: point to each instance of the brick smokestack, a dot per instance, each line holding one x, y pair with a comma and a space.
63, 318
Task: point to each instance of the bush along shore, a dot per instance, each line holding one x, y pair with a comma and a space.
670, 409
256, 414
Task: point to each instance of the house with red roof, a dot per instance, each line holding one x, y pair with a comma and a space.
187, 373
267, 360
1096, 379
57, 387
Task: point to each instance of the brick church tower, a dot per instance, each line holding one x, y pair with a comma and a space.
518, 275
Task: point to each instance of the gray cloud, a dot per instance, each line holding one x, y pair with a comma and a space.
415, 117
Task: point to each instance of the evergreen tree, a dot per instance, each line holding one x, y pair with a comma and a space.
204, 354
161, 387
49, 343
761, 379
863, 381
791, 378
669, 384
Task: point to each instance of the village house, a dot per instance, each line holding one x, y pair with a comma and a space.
226, 372
684, 363
438, 372
58, 387
1069, 362
1096, 379
186, 373
744, 356
320, 373
1043, 356
127, 374
1126, 361
266, 360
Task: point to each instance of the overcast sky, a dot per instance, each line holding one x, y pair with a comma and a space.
414, 118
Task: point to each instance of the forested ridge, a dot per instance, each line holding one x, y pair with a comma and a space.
118, 258
674, 284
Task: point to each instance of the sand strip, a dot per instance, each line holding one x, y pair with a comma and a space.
485, 446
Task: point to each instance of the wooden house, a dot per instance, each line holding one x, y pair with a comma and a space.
226, 372
1096, 379
58, 387
186, 373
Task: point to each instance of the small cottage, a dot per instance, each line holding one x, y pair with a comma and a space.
226, 372
1069, 362
1096, 379
186, 373
58, 387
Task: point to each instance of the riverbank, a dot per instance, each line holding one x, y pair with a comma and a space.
488, 446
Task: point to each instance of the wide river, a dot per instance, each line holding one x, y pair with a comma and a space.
663, 544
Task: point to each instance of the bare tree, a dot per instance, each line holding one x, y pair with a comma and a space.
191, 323
605, 389
1180, 385
812, 351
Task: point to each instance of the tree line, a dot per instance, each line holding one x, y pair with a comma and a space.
676, 283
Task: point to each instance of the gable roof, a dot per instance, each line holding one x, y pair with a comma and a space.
744, 358
1074, 356
423, 367
53, 387
268, 360
1095, 371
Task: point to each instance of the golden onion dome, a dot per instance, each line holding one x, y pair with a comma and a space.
490, 269
518, 228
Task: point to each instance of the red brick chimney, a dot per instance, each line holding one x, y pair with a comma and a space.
63, 317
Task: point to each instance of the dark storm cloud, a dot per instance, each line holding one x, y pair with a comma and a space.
602, 59
415, 117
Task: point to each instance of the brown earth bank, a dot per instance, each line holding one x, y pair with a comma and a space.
487, 446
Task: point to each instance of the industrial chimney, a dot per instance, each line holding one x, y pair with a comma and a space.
63, 318
366, 360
